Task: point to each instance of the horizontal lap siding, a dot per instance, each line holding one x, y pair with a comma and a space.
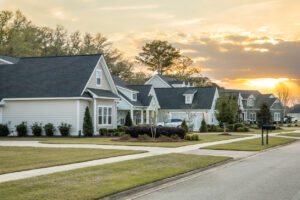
43, 111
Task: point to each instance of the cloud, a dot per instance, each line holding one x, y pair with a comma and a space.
61, 14
120, 8
188, 22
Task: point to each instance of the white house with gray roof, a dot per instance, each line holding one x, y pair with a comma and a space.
163, 81
57, 89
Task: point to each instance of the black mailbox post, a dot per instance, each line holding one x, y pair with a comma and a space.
267, 128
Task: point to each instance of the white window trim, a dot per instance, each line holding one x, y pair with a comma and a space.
190, 99
101, 106
134, 99
277, 117
99, 70
253, 117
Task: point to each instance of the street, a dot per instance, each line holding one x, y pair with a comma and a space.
273, 175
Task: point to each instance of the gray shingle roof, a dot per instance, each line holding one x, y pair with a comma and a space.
172, 98
9, 59
118, 81
170, 80
38, 77
190, 91
103, 93
261, 99
143, 95
245, 93
134, 103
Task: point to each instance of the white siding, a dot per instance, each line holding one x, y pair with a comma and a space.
41, 111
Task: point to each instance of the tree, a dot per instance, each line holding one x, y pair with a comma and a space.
184, 126
128, 121
158, 55
264, 115
88, 129
226, 110
203, 128
123, 70
182, 67
138, 78
284, 94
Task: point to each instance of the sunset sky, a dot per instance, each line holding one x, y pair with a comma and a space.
252, 44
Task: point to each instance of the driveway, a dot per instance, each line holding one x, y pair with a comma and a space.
273, 175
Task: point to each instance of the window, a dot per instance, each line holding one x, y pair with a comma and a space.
277, 117
251, 102
188, 99
134, 96
98, 77
122, 121
252, 117
105, 115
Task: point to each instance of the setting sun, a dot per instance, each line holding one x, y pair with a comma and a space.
266, 83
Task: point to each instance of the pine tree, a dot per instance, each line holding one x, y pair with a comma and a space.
184, 126
203, 128
128, 121
87, 123
264, 115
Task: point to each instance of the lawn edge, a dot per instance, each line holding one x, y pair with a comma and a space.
127, 193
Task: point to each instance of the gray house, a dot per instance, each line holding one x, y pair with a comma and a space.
57, 89
163, 81
250, 102
294, 112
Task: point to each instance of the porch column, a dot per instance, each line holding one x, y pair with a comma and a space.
131, 114
95, 117
142, 116
147, 116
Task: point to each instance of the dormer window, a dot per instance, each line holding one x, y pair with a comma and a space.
134, 96
251, 102
98, 77
188, 99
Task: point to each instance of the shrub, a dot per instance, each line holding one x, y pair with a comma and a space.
175, 137
203, 128
231, 127
213, 128
135, 131
64, 129
237, 125
122, 128
190, 137
103, 131
125, 137
49, 129
184, 126
128, 120
143, 137
87, 123
220, 129
195, 137
187, 137
278, 128
21, 129
296, 125
36, 129
289, 125
4, 131
246, 129
240, 129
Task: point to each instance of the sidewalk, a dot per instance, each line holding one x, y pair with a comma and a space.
152, 151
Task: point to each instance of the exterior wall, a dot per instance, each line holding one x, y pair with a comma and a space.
126, 92
157, 82
104, 81
105, 102
296, 115
41, 111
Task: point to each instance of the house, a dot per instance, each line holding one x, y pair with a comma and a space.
57, 89
162, 81
294, 112
192, 104
250, 102
139, 100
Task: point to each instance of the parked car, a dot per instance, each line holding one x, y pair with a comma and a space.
290, 120
171, 123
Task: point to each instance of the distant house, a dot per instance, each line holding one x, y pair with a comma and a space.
139, 100
294, 112
250, 102
57, 89
162, 81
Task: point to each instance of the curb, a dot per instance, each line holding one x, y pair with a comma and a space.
125, 194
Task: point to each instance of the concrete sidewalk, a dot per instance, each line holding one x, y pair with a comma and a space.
152, 151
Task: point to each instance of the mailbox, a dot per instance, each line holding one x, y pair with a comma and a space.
267, 128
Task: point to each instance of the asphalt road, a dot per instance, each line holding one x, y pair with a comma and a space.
273, 175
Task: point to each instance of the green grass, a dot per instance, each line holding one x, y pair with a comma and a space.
14, 159
284, 129
204, 138
251, 145
104, 180
291, 134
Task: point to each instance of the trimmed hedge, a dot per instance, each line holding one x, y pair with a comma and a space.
103, 131
36, 129
64, 129
190, 137
49, 129
4, 131
21, 129
135, 131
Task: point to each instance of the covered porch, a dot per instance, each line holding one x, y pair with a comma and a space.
138, 116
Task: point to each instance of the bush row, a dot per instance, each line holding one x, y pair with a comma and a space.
191, 137
112, 132
237, 127
135, 131
36, 128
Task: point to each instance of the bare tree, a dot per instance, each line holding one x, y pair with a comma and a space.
284, 94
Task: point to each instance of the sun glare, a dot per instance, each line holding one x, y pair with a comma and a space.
265, 83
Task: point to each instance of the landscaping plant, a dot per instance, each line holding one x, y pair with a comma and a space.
21, 129
184, 126
128, 120
4, 131
36, 129
87, 123
64, 129
49, 129
203, 128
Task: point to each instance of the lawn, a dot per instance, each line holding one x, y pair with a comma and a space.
291, 134
204, 138
251, 145
24, 158
284, 129
100, 181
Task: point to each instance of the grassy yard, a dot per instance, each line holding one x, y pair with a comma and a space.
251, 145
291, 134
104, 180
14, 159
284, 129
204, 138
